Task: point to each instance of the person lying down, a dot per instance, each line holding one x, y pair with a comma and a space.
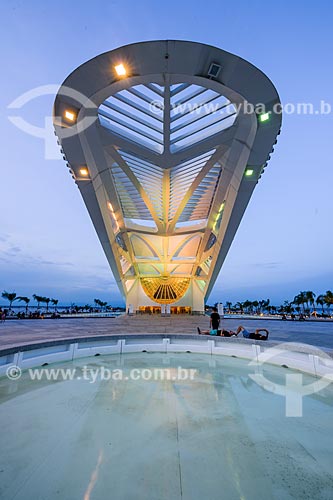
256, 335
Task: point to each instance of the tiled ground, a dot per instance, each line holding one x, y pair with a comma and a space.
18, 332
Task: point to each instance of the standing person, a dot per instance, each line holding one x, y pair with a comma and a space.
214, 319
3, 316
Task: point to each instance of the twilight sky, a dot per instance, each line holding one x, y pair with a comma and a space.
47, 243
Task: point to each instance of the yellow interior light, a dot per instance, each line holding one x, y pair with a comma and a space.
120, 70
69, 115
113, 215
84, 172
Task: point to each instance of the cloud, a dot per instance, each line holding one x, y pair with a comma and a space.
268, 265
27, 273
66, 284
13, 251
10, 249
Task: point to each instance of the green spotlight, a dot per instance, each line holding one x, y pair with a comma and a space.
264, 117
249, 172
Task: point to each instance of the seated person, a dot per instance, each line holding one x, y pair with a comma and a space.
253, 335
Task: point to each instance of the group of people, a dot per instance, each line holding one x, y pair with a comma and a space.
301, 316
23, 315
215, 319
30, 315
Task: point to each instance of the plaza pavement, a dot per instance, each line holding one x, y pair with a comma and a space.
19, 332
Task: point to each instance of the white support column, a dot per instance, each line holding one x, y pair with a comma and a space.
198, 305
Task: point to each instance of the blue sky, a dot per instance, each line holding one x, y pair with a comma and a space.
284, 244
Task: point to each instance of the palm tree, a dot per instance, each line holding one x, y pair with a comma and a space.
240, 306
285, 307
300, 300
265, 305
297, 301
320, 301
38, 299
55, 303
255, 304
310, 298
288, 308
98, 302
247, 304
47, 301
304, 300
26, 300
10, 297
328, 300
228, 305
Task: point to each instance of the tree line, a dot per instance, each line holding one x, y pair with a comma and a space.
304, 302
39, 299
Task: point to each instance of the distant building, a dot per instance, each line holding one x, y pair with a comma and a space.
166, 153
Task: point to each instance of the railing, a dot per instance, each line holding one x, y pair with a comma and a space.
296, 356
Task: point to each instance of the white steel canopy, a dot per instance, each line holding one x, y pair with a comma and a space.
166, 150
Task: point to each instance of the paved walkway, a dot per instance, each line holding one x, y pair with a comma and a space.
18, 332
